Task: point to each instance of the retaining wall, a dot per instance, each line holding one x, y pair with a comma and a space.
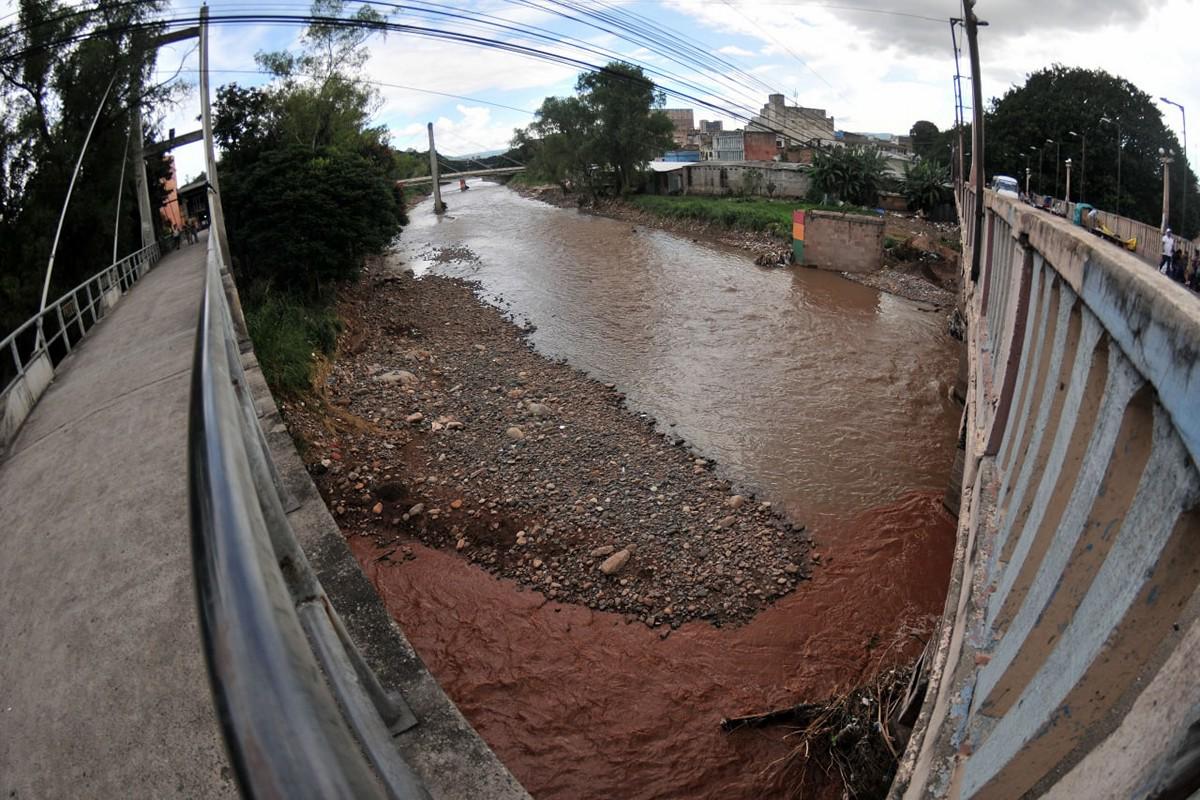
1065, 663
843, 242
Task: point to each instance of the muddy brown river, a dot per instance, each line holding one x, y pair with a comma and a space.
827, 398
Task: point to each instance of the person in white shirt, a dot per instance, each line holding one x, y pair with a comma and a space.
1168, 251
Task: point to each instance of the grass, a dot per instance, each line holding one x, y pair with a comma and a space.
745, 213
289, 334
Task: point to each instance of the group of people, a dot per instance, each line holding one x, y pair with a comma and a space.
188, 232
1177, 265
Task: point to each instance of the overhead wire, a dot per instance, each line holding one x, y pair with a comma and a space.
722, 105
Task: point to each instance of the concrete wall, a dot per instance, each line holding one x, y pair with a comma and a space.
1065, 662
724, 178
843, 242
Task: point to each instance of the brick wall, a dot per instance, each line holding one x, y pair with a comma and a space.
843, 242
759, 146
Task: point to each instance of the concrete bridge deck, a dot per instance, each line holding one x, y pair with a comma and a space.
103, 685
103, 691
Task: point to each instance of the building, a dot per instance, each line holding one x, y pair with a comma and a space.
761, 146
193, 201
682, 155
797, 124
728, 146
770, 179
711, 126
683, 121
170, 207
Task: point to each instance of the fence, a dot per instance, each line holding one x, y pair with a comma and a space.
1064, 665
30, 354
302, 714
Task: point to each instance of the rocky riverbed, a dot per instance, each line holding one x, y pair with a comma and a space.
438, 422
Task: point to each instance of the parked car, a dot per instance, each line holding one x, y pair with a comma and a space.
1007, 186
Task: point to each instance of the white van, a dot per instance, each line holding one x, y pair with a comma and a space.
1003, 184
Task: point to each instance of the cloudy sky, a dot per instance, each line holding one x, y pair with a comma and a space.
873, 65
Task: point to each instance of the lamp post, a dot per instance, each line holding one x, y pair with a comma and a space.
1041, 175
1165, 156
1057, 161
1027, 173
1186, 181
1120, 147
1067, 196
1082, 164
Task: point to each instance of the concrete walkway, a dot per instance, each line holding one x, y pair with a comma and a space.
103, 691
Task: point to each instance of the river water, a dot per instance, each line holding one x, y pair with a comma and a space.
826, 397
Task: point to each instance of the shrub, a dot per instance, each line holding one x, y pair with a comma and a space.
287, 334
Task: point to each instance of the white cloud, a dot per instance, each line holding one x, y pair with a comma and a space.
473, 131
734, 50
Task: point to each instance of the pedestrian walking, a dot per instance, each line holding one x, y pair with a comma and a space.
1168, 252
1193, 278
1093, 215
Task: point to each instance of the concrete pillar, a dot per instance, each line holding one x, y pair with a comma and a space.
438, 206
143, 186
216, 212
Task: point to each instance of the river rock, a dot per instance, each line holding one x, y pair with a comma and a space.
414, 418
515, 433
737, 501
537, 409
400, 376
606, 550
416, 510
615, 563
726, 522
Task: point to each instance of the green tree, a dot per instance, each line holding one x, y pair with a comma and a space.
925, 139
1058, 100
924, 184
850, 174
613, 123
48, 97
630, 130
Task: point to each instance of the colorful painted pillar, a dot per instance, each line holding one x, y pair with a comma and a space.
798, 236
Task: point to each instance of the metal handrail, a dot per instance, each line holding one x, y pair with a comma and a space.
50, 335
301, 713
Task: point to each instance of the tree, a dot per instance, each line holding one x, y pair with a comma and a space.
48, 96
924, 184
850, 174
612, 123
1058, 100
630, 130
925, 139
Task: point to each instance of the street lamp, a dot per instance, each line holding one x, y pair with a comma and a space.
1027, 174
1057, 161
1067, 197
1186, 181
1165, 156
1040, 151
1120, 147
1082, 164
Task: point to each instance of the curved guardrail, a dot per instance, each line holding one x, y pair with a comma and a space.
302, 714
30, 354
1064, 665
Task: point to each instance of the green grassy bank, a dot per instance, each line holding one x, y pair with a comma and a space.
744, 213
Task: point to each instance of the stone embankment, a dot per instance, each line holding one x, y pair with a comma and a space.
440, 423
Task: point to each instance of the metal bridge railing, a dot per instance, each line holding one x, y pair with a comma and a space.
30, 354
302, 714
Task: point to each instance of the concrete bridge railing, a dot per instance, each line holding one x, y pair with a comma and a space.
1066, 662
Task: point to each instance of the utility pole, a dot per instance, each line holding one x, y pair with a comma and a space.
1120, 147
972, 24
438, 206
216, 211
